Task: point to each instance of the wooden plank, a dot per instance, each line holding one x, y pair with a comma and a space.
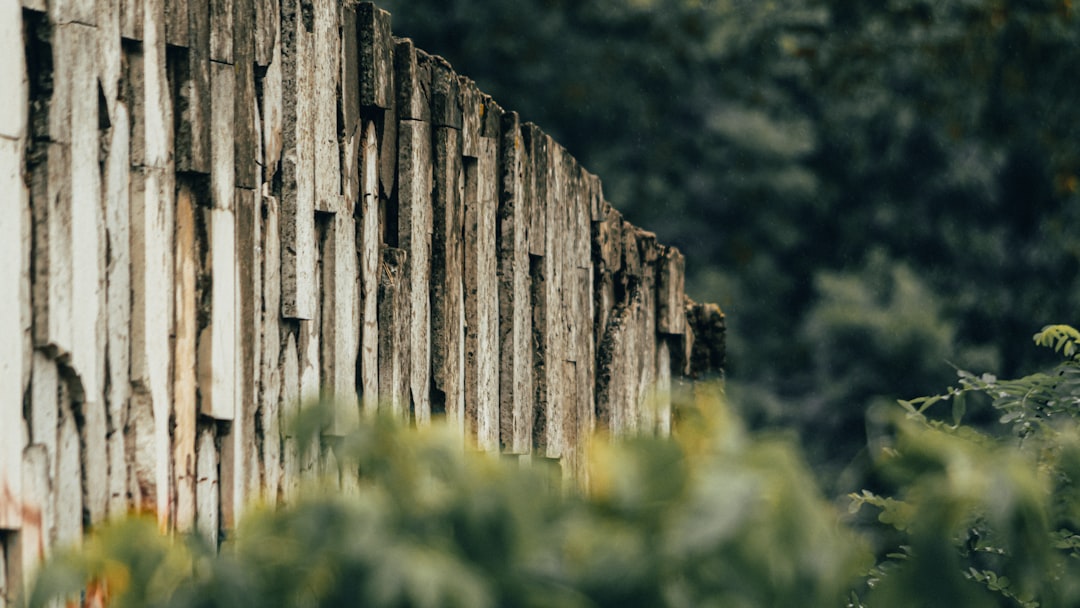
14, 232
289, 407
107, 48
340, 339
663, 386
154, 102
34, 544
298, 166
538, 178
131, 19
349, 102
270, 376
481, 297
118, 298
540, 188
472, 111
72, 11
412, 80
267, 16
445, 95
375, 55
68, 493
217, 350
207, 494
515, 324
185, 405
221, 30
177, 18
369, 245
671, 291
15, 94
272, 115
414, 236
50, 196
646, 362
152, 229
192, 94
393, 328
246, 130
447, 315
327, 73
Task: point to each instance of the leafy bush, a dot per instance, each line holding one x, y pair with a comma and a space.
958, 516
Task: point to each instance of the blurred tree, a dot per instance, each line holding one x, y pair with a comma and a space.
779, 143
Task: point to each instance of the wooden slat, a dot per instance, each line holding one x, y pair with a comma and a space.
67, 482
481, 296
414, 236
14, 234
177, 20
663, 386
118, 298
185, 405
271, 114
221, 30
375, 56
271, 373
217, 339
131, 19
370, 243
207, 494
246, 130
340, 318
298, 299
267, 19
515, 324
447, 314
192, 92
412, 81
394, 317
326, 47
671, 291
288, 408
34, 544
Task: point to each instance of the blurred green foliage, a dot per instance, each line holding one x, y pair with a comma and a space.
802, 152
715, 516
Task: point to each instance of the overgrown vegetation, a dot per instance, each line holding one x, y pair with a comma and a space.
715, 516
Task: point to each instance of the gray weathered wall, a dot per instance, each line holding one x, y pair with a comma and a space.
213, 212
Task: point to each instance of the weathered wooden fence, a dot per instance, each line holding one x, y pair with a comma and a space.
214, 211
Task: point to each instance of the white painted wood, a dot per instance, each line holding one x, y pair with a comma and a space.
14, 94
118, 301
369, 272
12, 296
67, 484
207, 491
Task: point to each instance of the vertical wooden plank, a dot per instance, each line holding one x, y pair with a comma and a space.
414, 236
394, 332
177, 16
369, 271
33, 539
191, 76
515, 331
267, 16
288, 408
327, 71
185, 406
72, 11
207, 495
131, 19
663, 386
582, 341
349, 103
671, 290
246, 131
647, 331
118, 297
340, 320
272, 115
481, 296
14, 233
270, 376
221, 30
447, 315
152, 224
376, 46
412, 81
217, 339
68, 494
298, 166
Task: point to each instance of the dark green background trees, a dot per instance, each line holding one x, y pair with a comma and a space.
871, 190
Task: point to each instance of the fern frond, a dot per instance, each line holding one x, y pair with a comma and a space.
1064, 339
